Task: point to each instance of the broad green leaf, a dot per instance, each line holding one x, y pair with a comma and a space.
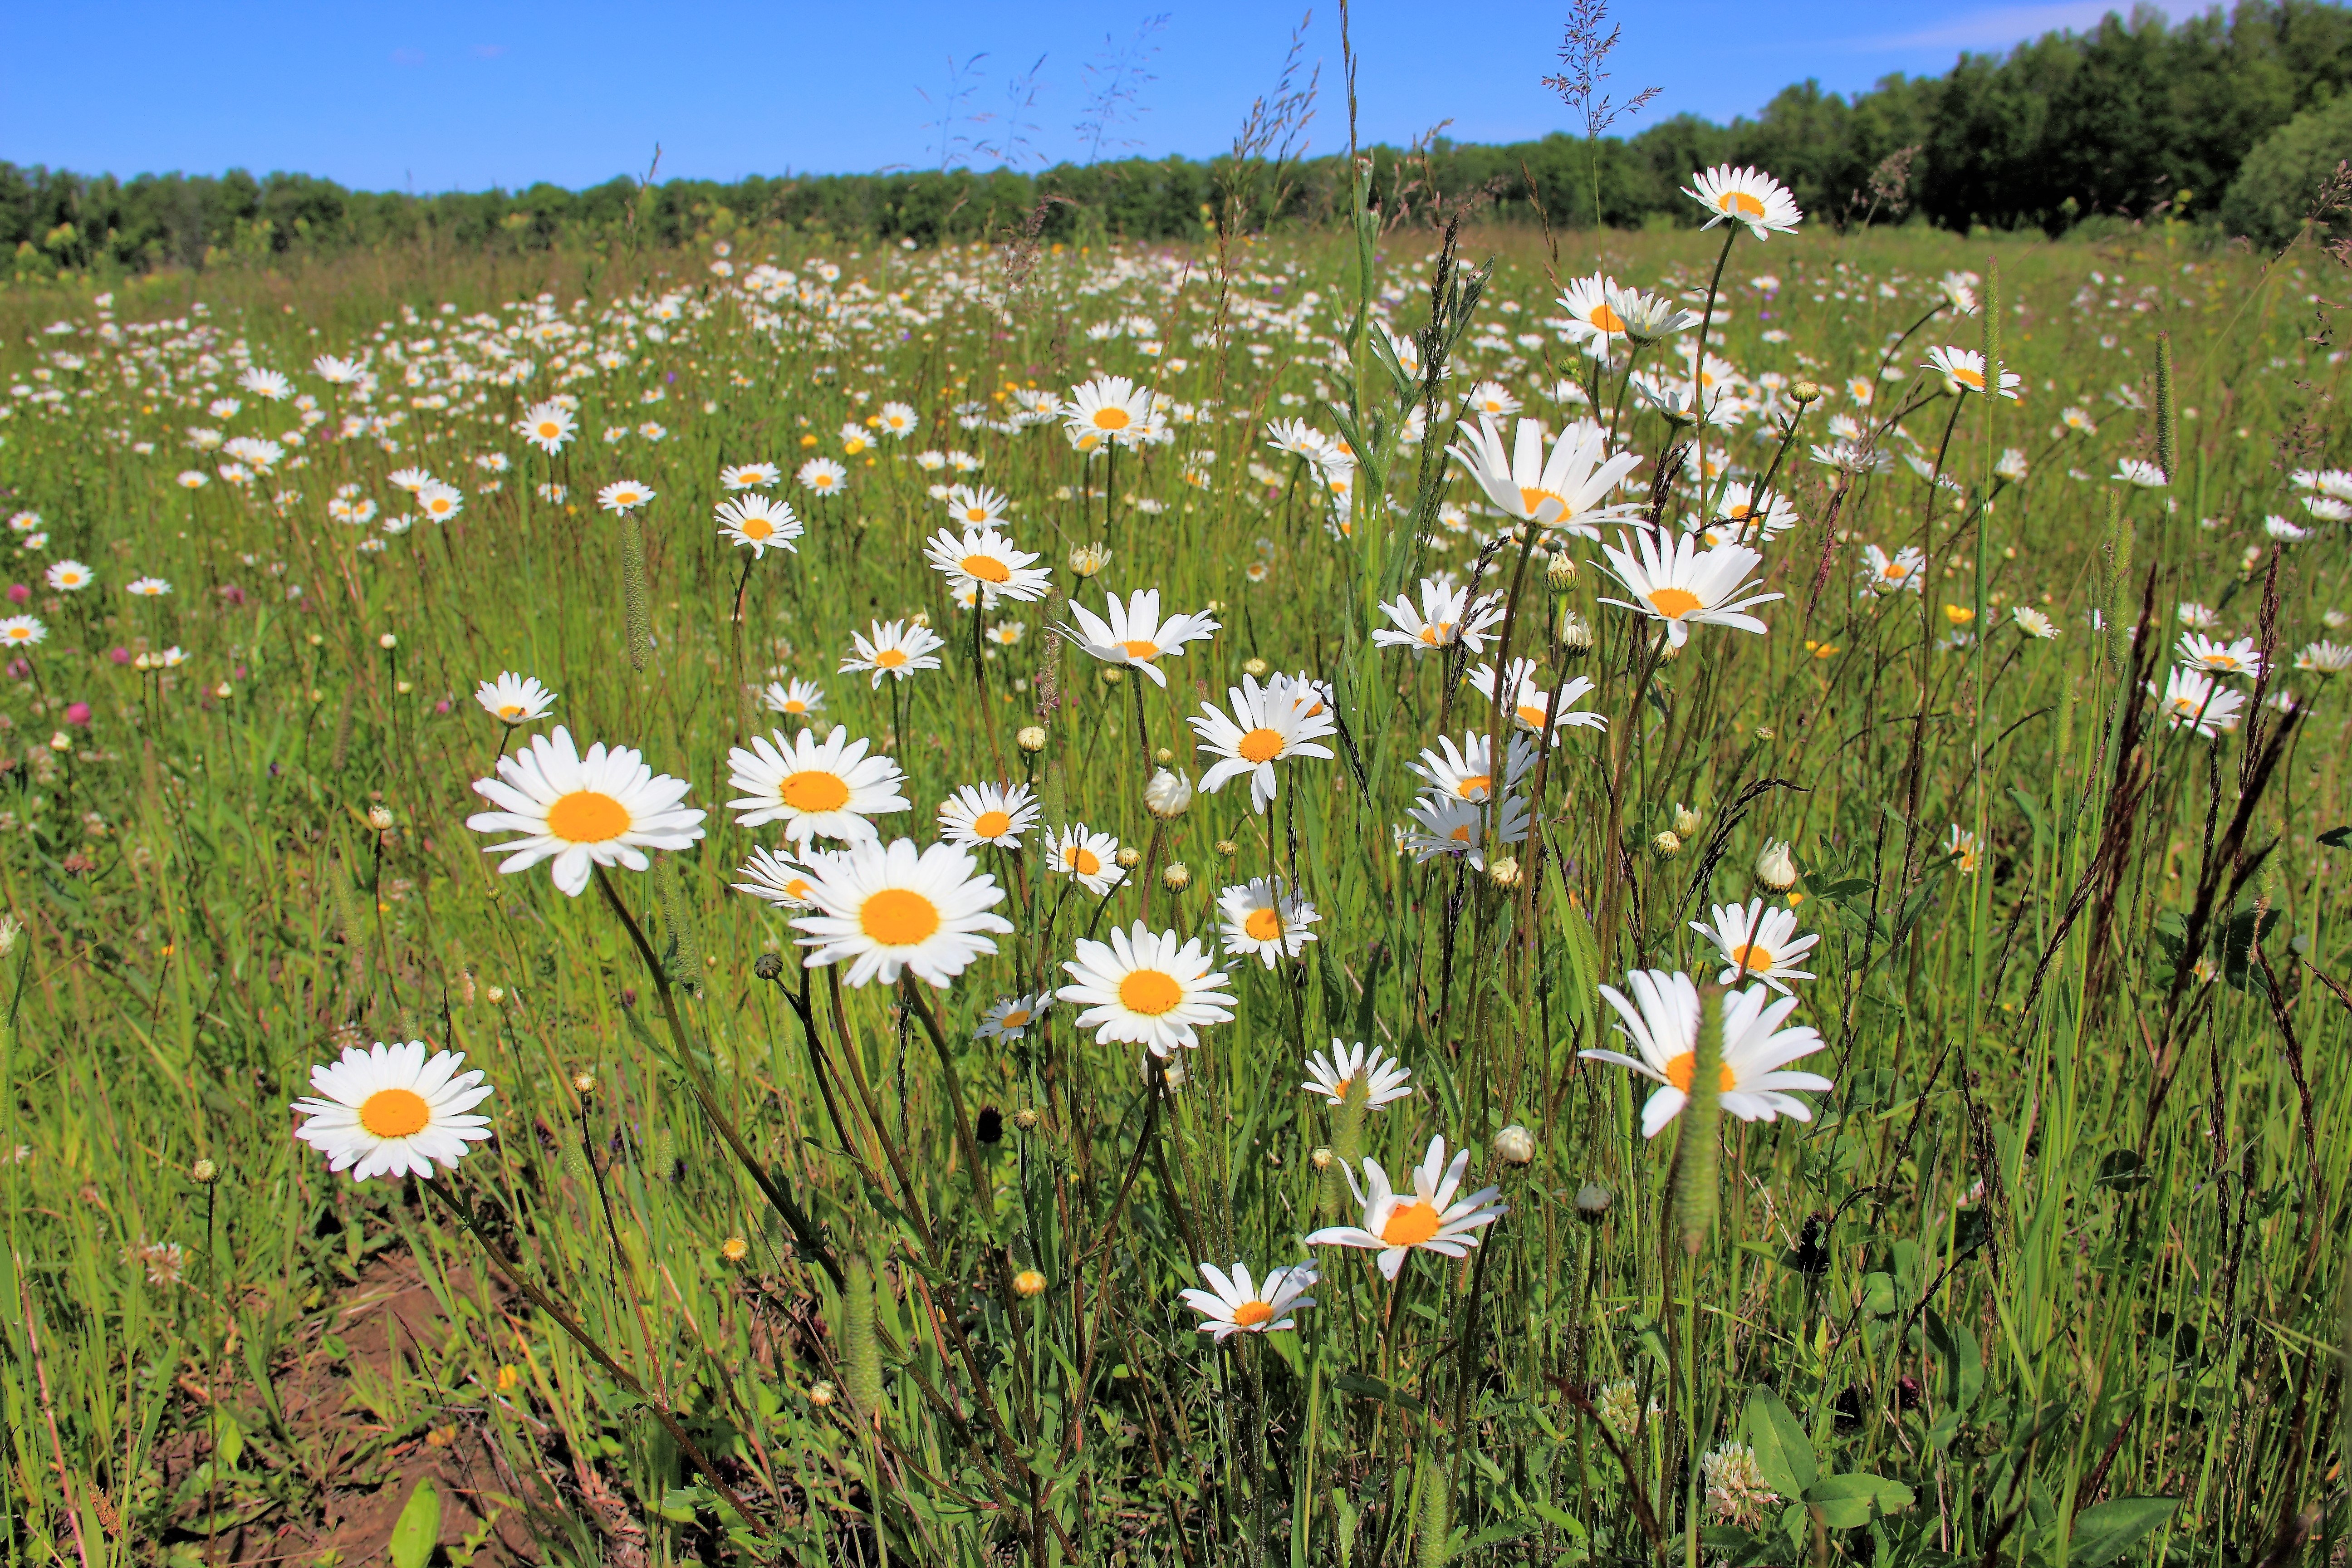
418, 1529
1849, 1502
1783, 1452
2105, 1532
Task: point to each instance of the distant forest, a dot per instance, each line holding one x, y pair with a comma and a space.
2222, 118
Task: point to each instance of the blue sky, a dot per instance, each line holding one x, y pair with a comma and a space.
432, 95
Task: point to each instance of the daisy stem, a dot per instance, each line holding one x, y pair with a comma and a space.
980, 684
1698, 374
464, 1215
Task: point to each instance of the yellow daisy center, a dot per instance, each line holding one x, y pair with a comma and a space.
1461, 835
587, 816
1478, 787
1015, 1019
509, 709
1679, 1071
899, 917
1410, 1224
1971, 379
1138, 648
1262, 925
1529, 715
755, 528
1739, 203
987, 568
395, 1113
813, 789
549, 430
1081, 860
1260, 746
974, 514
1607, 320
1250, 1314
1533, 499
1675, 603
1112, 418
991, 825
890, 658
1150, 992
794, 705
1754, 959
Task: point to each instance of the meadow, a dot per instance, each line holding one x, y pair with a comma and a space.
1934, 800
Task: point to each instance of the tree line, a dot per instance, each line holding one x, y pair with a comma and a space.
2234, 119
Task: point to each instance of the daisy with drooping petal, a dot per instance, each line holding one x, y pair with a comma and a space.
1231, 1305
815, 788
779, 879
985, 559
1010, 1018
547, 425
823, 475
1335, 1076
602, 809
1458, 828
1965, 368
977, 507
1262, 921
1143, 988
750, 476
147, 587
1267, 725
2215, 657
1531, 699
2198, 700
1662, 1020
1467, 771
2139, 472
1569, 489
1091, 858
1447, 617
756, 520
794, 699
393, 1111
1747, 196
889, 909
514, 698
1675, 582
22, 631
988, 813
1883, 573
896, 648
1960, 846
1109, 408
1591, 319
1131, 633
1748, 518
1756, 943
269, 384
624, 496
1428, 1219
68, 577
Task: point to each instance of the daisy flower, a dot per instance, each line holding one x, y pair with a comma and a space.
1467, 771
514, 698
2198, 700
1675, 582
1662, 1020
2139, 472
547, 425
2033, 623
269, 384
1133, 634
988, 813
1884, 574
1746, 518
756, 520
1333, 1076
778, 880
1108, 408
2325, 658
1568, 490
1010, 1018
1266, 725
1531, 699
815, 788
1493, 400
891, 909
1591, 319
623, 496
896, 648
411, 479
1231, 1305
982, 507
750, 476
1965, 368
1447, 617
1744, 195
1262, 921
823, 475
1143, 988
22, 631
797, 698
898, 420
605, 808
1961, 844
1299, 438
391, 1111
69, 576
1091, 857
1649, 317
336, 371
2214, 657
985, 559
1756, 943
147, 587
439, 501
1428, 1219
1458, 828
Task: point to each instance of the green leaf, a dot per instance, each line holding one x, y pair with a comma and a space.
2335, 839
418, 1529
2105, 1532
1849, 1502
1878, 1295
1559, 1519
1783, 1452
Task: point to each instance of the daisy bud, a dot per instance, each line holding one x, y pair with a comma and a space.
1505, 872
1254, 667
1088, 559
1228, 848
1032, 738
1320, 1159
1172, 1072
1516, 1144
734, 1249
1168, 794
822, 1394
1686, 820
203, 1172
1775, 867
1177, 876
11, 930
1112, 674
1027, 1119
1129, 858
61, 742
1575, 635
1592, 1200
387, 642
1805, 391
1562, 573
1163, 756
585, 1082
1666, 846
379, 818
768, 965
496, 994
1028, 1283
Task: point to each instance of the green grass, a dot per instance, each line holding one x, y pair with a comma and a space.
2064, 1236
